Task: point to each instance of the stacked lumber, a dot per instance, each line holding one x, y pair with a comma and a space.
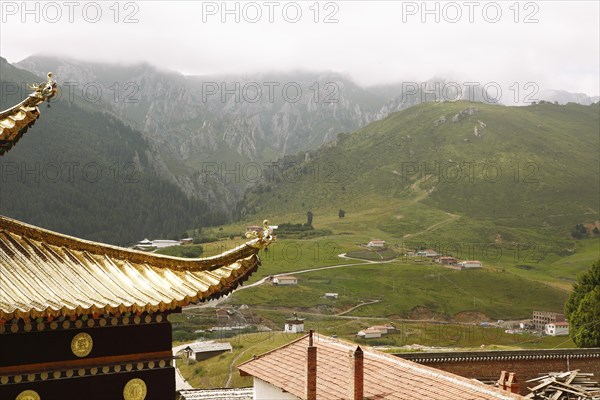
570, 385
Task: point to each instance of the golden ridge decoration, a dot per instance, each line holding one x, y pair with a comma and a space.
263, 239
135, 389
44, 90
82, 344
15, 121
28, 395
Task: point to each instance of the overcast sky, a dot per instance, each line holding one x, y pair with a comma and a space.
552, 43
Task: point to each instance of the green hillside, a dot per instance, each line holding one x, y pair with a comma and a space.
402, 288
82, 171
505, 185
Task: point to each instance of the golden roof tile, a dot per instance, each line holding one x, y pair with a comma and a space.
43, 273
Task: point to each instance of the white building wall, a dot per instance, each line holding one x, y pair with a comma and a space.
553, 330
265, 391
561, 331
369, 334
294, 328
159, 244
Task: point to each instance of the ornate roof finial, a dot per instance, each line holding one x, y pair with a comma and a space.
262, 239
15, 121
44, 90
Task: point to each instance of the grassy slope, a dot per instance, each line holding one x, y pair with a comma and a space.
530, 265
517, 219
402, 287
214, 372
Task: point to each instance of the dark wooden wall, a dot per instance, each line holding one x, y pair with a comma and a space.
160, 383
42, 347
42, 360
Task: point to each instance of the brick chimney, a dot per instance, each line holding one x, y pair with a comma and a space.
311, 369
502, 381
357, 374
511, 383
508, 383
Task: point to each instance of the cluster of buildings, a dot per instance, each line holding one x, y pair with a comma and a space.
376, 331
431, 254
449, 261
543, 322
550, 323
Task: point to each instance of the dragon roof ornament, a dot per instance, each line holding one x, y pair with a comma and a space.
15, 121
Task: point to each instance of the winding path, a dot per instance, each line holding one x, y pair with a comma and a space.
232, 366
453, 217
216, 302
357, 306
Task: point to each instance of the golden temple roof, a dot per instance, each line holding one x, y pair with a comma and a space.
47, 274
15, 121
43, 274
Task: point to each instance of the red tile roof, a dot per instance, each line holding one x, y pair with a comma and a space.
386, 376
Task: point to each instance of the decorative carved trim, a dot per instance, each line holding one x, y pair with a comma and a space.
87, 367
511, 355
40, 325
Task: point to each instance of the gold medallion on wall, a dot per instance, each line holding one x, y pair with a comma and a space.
82, 344
28, 395
135, 389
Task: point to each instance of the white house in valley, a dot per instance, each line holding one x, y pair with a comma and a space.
369, 333
557, 329
284, 280
160, 243
471, 264
155, 244
294, 325
429, 253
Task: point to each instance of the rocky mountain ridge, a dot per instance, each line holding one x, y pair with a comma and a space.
206, 130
